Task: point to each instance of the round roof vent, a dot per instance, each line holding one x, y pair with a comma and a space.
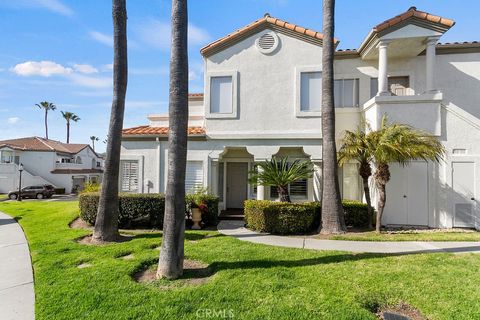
267, 42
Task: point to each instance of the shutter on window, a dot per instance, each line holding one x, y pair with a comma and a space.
129, 176
194, 176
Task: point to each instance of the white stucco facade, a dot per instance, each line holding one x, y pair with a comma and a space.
55, 165
429, 86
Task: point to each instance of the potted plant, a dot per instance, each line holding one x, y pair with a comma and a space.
197, 207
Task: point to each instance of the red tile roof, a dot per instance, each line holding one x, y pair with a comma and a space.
76, 171
162, 131
41, 144
412, 12
266, 21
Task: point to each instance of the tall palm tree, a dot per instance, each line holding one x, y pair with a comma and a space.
170, 264
106, 223
46, 106
280, 173
333, 220
69, 116
399, 143
357, 146
94, 138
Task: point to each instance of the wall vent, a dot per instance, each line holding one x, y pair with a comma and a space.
267, 42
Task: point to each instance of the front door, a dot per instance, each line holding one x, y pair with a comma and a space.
463, 183
237, 175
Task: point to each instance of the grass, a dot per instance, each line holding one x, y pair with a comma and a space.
250, 281
448, 235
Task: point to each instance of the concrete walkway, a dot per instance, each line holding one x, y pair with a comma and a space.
237, 230
17, 297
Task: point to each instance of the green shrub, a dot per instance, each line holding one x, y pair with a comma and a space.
91, 187
356, 213
135, 210
297, 218
144, 210
281, 217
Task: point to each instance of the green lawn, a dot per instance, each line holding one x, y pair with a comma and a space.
451, 235
251, 281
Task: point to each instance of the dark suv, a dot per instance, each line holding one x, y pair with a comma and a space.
38, 192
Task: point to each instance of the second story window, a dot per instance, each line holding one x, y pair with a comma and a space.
346, 93
221, 95
310, 91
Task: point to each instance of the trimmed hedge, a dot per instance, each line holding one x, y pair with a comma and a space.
136, 210
144, 210
281, 217
297, 218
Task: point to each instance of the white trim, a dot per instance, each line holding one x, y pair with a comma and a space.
208, 77
298, 91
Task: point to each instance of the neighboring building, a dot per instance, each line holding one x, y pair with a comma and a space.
262, 98
46, 161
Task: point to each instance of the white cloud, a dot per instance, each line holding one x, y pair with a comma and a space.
107, 67
40, 68
102, 38
13, 120
52, 5
157, 34
91, 82
81, 74
84, 68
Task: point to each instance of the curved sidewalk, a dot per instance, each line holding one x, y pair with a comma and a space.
237, 230
17, 297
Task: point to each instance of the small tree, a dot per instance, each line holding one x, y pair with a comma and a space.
357, 146
69, 116
46, 106
280, 173
400, 143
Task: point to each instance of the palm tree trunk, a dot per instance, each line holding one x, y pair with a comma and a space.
170, 264
93, 145
382, 176
68, 132
106, 224
46, 123
366, 190
283, 193
333, 220
365, 171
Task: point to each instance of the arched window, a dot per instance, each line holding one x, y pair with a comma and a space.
78, 160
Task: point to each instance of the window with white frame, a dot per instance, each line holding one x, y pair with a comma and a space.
221, 95
346, 93
129, 175
310, 91
194, 176
297, 190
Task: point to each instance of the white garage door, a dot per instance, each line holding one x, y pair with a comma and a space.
407, 195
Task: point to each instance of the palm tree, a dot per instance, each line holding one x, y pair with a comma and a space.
280, 173
170, 264
400, 143
46, 106
94, 138
357, 146
69, 116
106, 223
333, 220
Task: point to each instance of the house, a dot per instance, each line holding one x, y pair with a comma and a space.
46, 161
262, 98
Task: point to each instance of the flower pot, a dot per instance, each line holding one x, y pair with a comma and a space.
196, 218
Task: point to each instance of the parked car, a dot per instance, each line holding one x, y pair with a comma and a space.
38, 192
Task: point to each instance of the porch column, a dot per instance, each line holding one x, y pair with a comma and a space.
430, 64
383, 68
260, 188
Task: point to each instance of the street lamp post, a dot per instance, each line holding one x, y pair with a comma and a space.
20, 169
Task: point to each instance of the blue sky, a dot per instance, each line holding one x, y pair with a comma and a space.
61, 51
